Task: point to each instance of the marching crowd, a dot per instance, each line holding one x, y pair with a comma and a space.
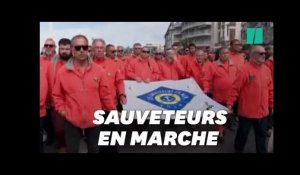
83, 78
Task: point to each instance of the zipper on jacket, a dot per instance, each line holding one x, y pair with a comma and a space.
260, 87
83, 115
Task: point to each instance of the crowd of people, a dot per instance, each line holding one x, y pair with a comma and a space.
83, 78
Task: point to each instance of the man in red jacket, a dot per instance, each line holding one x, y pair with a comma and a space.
64, 54
235, 54
269, 63
171, 67
143, 68
45, 84
80, 89
254, 87
221, 78
49, 56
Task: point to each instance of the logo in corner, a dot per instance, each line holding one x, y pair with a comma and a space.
170, 99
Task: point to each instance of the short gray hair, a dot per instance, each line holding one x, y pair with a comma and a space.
98, 40
79, 36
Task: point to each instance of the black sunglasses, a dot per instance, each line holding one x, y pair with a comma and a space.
49, 45
84, 47
158, 53
113, 51
120, 50
261, 53
144, 51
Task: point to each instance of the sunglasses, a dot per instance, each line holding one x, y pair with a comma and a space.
137, 48
113, 51
158, 53
49, 45
84, 47
120, 50
144, 51
261, 53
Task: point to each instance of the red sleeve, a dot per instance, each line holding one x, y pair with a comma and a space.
180, 69
58, 94
188, 72
207, 80
119, 83
105, 93
271, 88
50, 80
155, 71
130, 71
236, 87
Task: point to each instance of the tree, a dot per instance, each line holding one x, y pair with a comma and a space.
128, 50
185, 42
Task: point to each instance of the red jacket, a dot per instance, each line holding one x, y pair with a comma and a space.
56, 64
185, 60
113, 71
172, 71
131, 57
237, 58
81, 94
269, 63
45, 84
143, 68
160, 65
199, 72
254, 88
123, 64
222, 79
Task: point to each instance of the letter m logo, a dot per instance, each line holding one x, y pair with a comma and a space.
254, 35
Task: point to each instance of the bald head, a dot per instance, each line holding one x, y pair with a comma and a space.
170, 55
258, 54
200, 56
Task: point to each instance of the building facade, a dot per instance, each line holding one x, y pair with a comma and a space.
202, 34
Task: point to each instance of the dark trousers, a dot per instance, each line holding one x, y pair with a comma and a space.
58, 126
270, 120
108, 148
42, 126
48, 126
73, 135
260, 131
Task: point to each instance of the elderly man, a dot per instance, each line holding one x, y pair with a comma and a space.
171, 67
254, 90
143, 68
199, 69
222, 77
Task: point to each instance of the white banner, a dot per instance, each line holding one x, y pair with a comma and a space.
168, 95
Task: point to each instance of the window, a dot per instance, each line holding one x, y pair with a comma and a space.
232, 34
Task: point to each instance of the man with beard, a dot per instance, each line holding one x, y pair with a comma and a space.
64, 54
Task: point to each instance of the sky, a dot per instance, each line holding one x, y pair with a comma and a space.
116, 33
